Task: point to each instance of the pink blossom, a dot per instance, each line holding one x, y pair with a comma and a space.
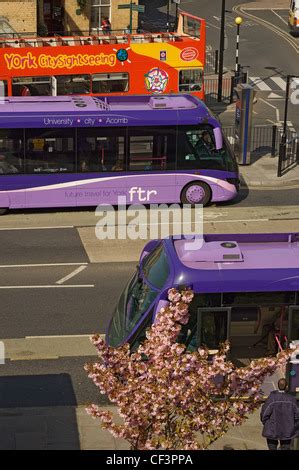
168, 400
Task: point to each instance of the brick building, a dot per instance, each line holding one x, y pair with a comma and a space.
27, 16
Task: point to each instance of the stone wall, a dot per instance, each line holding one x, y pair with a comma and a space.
20, 14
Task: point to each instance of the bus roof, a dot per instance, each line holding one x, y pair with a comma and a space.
94, 111
242, 262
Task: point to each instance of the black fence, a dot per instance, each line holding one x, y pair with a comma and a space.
288, 153
228, 89
264, 140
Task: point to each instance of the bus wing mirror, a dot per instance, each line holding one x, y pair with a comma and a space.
218, 138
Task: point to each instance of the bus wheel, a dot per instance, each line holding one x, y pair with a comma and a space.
196, 193
3, 210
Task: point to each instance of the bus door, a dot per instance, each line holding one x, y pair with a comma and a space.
151, 154
101, 160
293, 323
213, 327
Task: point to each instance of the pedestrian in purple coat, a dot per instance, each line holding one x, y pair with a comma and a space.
280, 417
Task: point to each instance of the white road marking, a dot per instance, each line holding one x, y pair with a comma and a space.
279, 82
291, 126
36, 228
72, 274
39, 265
274, 96
274, 107
47, 286
259, 83
212, 25
285, 22
236, 220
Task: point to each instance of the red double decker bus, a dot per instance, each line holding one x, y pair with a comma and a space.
142, 63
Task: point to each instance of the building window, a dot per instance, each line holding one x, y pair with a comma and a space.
190, 80
110, 82
99, 10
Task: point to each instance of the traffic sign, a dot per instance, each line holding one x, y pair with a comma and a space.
139, 8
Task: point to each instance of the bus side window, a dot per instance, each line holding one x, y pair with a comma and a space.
11, 151
154, 150
101, 149
3, 88
50, 151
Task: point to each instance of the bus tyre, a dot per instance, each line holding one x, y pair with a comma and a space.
3, 210
196, 193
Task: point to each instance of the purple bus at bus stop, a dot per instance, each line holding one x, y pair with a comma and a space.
72, 151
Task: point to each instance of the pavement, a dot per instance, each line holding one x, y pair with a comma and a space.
71, 428
262, 169
263, 173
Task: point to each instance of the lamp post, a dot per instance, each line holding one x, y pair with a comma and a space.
238, 21
221, 52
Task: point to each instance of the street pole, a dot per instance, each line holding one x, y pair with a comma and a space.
167, 20
286, 108
238, 22
131, 16
221, 52
283, 141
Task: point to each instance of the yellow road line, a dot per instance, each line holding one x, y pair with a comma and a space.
33, 358
280, 32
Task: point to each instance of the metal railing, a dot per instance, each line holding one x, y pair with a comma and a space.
264, 140
97, 31
228, 86
288, 153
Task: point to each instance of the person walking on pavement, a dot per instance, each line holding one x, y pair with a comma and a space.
280, 417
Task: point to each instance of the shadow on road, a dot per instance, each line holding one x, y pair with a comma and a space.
38, 412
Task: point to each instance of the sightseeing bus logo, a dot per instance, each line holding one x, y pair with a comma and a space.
122, 55
188, 54
156, 80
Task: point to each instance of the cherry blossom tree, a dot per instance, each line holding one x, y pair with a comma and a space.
170, 398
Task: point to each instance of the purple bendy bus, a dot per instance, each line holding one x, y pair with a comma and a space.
80, 151
246, 289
